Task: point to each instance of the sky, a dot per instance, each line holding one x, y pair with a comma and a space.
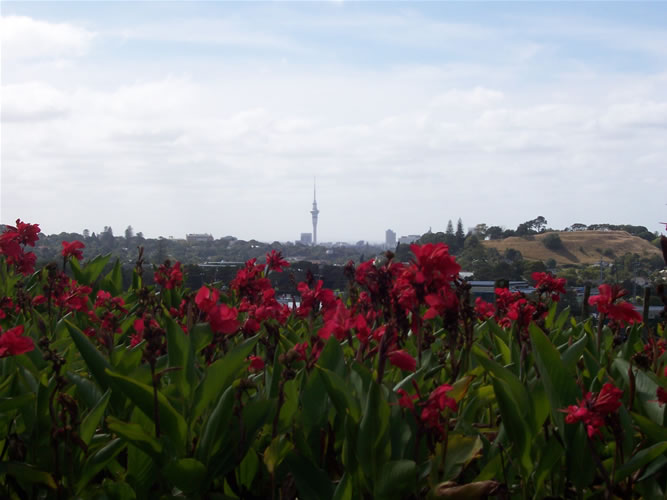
215, 117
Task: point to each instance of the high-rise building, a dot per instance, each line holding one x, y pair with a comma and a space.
314, 212
306, 238
390, 239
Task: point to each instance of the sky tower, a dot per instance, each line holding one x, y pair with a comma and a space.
314, 212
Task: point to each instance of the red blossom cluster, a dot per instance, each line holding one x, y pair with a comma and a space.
432, 413
168, 276
607, 303
13, 343
593, 409
546, 284
72, 249
13, 242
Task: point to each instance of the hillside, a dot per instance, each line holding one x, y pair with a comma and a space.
579, 247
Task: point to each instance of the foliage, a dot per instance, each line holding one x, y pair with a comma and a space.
400, 388
552, 241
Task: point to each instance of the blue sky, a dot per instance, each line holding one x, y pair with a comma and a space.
180, 117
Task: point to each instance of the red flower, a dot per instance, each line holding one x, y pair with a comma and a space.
406, 400
205, 299
13, 343
23, 233
437, 401
606, 303
72, 249
224, 319
593, 408
169, 277
662, 396
256, 363
275, 261
483, 309
546, 283
441, 302
403, 360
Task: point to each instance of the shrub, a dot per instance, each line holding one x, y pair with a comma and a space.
552, 241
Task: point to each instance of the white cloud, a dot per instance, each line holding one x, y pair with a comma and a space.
27, 38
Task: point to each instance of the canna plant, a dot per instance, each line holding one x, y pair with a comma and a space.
401, 388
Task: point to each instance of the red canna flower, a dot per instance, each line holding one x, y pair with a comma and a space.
606, 303
169, 276
13, 343
437, 401
546, 283
224, 319
662, 396
72, 249
593, 409
275, 261
403, 360
256, 363
406, 400
206, 299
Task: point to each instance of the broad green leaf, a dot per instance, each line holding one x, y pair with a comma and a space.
461, 450
98, 461
639, 460
344, 490
220, 374
332, 357
247, 469
92, 269
397, 479
16, 402
314, 407
653, 431
339, 393
514, 422
28, 473
645, 391
136, 435
181, 356
187, 474
312, 483
216, 427
276, 452
171, 422
574, 352
92, 419
373, 440
559, 381
97, 364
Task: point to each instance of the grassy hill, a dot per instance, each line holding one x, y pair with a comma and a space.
579, 247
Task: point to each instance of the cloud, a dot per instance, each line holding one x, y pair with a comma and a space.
33, 101
27, 38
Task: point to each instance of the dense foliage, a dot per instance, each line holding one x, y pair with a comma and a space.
402, 387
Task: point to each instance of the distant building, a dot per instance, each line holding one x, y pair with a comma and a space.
389, 239
410, 238
306, 238
198, 237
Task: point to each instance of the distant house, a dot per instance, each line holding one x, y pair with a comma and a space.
198, 237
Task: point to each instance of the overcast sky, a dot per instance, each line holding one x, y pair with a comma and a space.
214, 117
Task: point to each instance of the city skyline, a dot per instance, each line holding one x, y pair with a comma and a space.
195, 117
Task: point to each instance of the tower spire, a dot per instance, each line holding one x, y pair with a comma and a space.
314, 212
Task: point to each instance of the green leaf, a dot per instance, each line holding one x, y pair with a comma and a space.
276, 452
98, 461
220, 374
373, 439
461, 450
201, 335
312, 483
171, 422
27, 473
114, 279
186, 474
559, 381
645, 391
97, 364
514, 423
574, 352
181, 356
339, 393
92, 269
344, 489
639, 460
654, 432
397, 478
248, 468
91, 420
217, 426
314, 406
332, 357
16, 402
136, 435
